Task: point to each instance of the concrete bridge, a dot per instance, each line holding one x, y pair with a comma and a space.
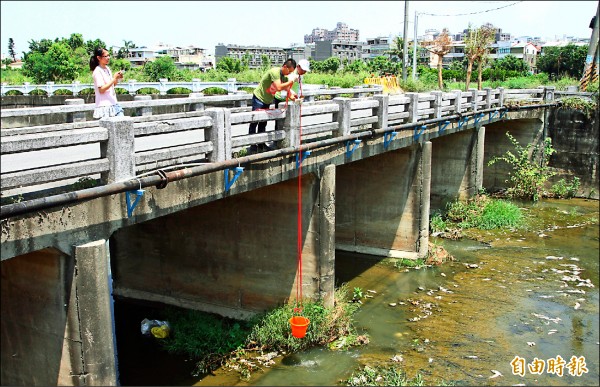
188, 222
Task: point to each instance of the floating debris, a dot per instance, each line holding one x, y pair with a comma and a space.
553, 257
392, 304
397, 358
371, 291
541, 316
531, 343
496, 374
577, 306
443, 274
552, 331
471, 357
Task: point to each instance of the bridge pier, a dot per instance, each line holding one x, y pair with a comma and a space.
457, 166
56, 318
383, 203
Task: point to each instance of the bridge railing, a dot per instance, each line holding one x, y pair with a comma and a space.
122, 148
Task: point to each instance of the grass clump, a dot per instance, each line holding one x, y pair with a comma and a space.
383, 376
214, 341
484, 213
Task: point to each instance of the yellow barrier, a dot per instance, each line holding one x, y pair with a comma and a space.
590, 76
389, 83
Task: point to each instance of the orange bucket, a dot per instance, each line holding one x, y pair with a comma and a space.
299, 325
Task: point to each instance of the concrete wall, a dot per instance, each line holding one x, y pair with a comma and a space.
37, 333
575, 137
528, 129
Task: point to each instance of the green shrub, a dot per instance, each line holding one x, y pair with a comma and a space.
530, 170
437, 223
565, 190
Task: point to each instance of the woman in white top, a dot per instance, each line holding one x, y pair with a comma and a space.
104, 85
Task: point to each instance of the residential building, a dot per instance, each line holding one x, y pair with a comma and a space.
341, 32
276, 55
526, 52
344, 50
379, 46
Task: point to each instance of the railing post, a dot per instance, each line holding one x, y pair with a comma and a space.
118, 149
162, 86
196, 106
437, 103
131, 86
291, 126
76, 86
75, 116
474, 97
3, 92
382, 110
26, 85
501, 96
231, 85
219, 134
144, 110
488, 97
342, 116
413, 107
457, 101
549, 93
196, 85
50, 88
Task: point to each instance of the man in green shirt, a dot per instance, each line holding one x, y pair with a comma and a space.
302, 68
274, 80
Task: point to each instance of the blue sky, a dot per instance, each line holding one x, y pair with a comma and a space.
275, 23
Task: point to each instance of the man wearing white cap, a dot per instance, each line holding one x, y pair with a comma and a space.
302, 68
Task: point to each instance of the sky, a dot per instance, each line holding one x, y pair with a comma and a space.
281, 23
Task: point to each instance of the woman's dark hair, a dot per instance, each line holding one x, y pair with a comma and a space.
94, 59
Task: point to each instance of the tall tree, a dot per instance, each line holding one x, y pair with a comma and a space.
11, 49
470, 52
486, 36
441, 46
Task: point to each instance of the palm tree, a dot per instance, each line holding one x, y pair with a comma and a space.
127, 44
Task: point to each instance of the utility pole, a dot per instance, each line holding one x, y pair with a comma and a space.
590, 71
414, 72
405, 48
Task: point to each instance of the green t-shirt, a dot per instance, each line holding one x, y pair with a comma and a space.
261, 90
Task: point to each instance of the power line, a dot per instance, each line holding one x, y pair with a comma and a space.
471, 13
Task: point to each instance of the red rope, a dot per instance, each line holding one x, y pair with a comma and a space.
299, 236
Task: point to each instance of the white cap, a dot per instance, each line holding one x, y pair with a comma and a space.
304, 65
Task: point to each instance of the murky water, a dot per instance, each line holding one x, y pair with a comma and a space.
525, 296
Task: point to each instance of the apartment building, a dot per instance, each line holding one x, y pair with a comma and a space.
276, 55
190, 57
341, 32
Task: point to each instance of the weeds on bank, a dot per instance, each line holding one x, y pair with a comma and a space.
245, 346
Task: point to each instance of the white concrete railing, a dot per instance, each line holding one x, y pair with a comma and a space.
125, 147
131, 86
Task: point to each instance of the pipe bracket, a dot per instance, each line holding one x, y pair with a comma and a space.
228, 183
